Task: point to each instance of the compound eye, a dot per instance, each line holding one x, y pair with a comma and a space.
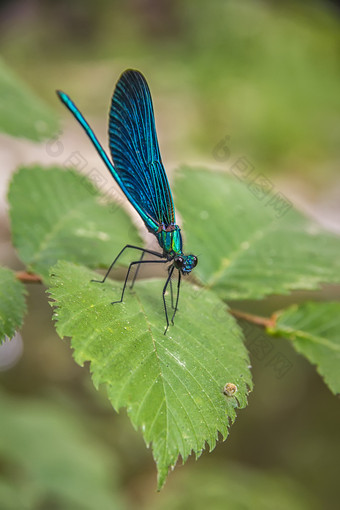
179, 261
195, 260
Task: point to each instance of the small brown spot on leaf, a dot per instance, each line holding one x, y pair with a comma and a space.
230, 389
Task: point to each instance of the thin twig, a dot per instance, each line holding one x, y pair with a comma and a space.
26, 277
266, 322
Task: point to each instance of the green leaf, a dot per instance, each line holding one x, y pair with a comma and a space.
56, 214
249, 248
172, 385
314, 330
12, 303
23, 114
48, 461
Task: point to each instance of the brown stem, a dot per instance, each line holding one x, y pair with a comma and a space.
26, 277
266, 322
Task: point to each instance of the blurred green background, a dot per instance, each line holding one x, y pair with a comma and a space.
265, 74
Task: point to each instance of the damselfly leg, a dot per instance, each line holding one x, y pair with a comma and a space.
121, 252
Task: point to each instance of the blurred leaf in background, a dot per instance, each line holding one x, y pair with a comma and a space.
57, 214
49, 461
265, 73
249, 246
12, 303
22, 113
314, 330
227, 485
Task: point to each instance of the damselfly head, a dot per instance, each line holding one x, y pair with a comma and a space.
185, 263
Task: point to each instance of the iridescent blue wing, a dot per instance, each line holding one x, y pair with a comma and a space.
135, 152
151, 224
